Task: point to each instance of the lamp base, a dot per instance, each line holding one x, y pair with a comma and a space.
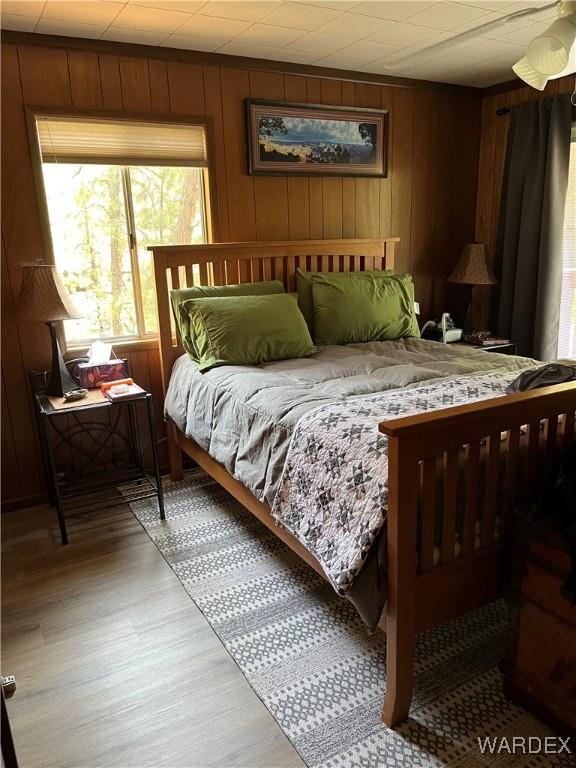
60, 380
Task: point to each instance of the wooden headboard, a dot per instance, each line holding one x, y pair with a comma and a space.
181, 266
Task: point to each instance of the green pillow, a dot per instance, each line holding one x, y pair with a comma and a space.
247, 330
304, 287
178, 295
363, 309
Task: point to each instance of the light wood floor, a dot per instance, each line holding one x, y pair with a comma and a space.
115, 665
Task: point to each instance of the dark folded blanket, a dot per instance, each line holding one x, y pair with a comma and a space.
544, 376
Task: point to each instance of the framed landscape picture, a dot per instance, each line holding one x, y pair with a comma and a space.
311, 139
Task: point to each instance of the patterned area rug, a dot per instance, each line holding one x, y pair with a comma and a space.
308, 657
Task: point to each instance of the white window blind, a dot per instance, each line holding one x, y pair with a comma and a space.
120, 142
567, 328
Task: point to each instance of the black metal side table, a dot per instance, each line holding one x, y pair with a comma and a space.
111, 460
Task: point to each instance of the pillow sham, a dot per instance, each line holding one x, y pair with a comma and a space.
247, 330
304, 288
179, 295
357, 310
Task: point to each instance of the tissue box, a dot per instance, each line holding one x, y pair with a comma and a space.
93, 374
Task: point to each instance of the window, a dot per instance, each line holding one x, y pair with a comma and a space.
567, 329
112, 189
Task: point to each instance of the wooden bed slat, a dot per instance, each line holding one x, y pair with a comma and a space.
568, 431
531, 468
218, 273
427, 514
472, 473
491, 491
232, 272
266, 269
256, 270
291, 274
313, 263
245, 271
448, 546
551, 447
278, 268
509, 494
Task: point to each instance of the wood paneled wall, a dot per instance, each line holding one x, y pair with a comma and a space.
491, 171
428, 199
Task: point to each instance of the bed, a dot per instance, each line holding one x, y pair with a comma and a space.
446, 544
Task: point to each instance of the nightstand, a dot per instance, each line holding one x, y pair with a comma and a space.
102, 441
502, 349
540, 666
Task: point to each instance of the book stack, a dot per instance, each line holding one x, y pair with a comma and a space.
481, 339
492, 342
124, 389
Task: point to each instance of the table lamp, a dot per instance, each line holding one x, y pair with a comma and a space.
43, 298
472, 269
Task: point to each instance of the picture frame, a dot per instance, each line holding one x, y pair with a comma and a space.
315, 140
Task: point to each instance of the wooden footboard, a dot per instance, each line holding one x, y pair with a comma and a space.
444, 557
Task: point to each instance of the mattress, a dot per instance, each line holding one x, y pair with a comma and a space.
244, 416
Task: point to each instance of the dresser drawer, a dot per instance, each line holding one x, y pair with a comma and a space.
542, 586
546, 659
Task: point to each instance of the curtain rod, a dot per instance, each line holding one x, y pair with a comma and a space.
501, 111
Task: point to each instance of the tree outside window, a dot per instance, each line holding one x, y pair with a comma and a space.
102, 219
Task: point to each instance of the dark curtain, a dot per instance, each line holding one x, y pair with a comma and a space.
531, 225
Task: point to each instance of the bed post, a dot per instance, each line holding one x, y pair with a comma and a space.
389, 255
166, 355
174, 453
402, 564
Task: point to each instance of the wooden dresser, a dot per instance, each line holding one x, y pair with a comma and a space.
540, 668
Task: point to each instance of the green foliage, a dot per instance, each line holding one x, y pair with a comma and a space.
89, 221
367, 133
167, 210
268, 126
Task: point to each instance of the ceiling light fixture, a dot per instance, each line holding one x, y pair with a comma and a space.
553, 53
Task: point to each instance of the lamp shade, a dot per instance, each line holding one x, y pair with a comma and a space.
549, 53
532, 77
43, 297
472, 269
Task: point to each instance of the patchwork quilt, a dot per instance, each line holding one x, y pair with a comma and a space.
334, 488
244, 416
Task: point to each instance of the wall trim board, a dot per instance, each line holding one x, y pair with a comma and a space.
558, 85
224, 60
24, 502
509, 85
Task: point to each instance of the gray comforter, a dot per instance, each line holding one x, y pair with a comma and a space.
244, 416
